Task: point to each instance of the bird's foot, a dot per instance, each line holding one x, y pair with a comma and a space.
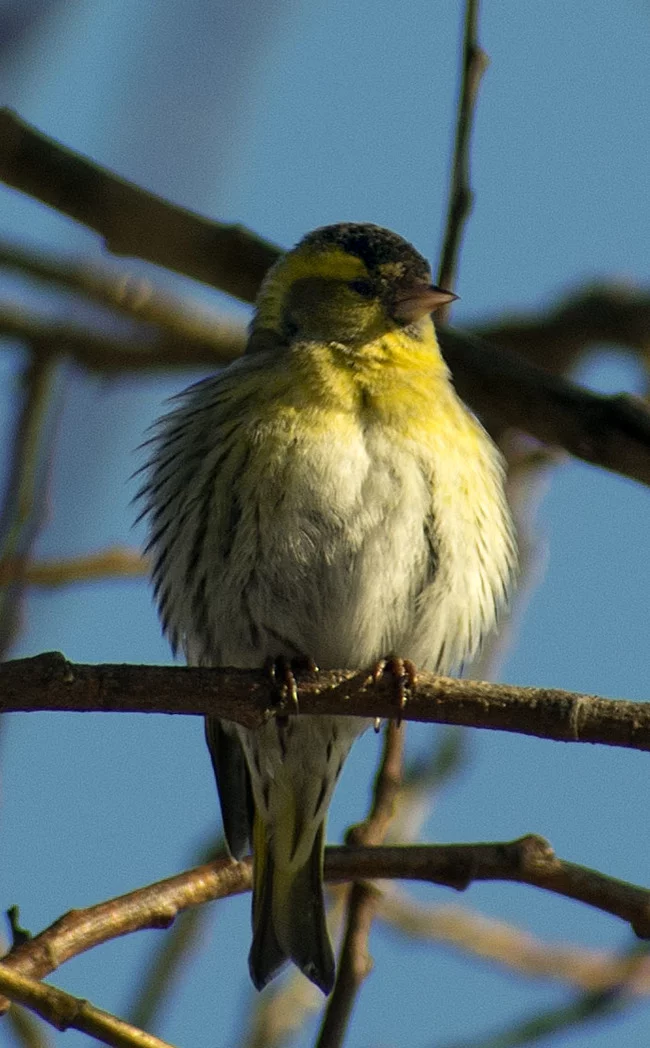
404, 677
282, 676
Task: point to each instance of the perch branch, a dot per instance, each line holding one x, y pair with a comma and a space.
49, 682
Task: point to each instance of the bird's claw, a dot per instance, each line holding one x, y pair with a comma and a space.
404, 676
281, 672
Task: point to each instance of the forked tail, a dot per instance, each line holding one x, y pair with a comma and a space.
289, 915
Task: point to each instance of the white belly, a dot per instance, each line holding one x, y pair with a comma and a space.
342, 554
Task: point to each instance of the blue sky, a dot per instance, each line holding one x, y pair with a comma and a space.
286, 117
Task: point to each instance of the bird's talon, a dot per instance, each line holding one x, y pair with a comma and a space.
404, 676
282, 678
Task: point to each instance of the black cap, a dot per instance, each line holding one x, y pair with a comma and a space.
374, 245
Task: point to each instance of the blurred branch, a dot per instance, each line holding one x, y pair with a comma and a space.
546, 1025
50, 682
24, 501
26, 1030
608, 431
131, 221
154, 988
485, 938
129, 295
613, 432
529, 860
461, 197
98, 352
606, 313
117, 562
355, 962
276, 1017
65, 1012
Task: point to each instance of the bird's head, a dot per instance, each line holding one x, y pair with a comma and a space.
348, 283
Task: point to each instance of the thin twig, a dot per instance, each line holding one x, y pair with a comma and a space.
355, 963
24, 500
474, 62
65, 1012
117, 562
49, 682
386, 789
528, 860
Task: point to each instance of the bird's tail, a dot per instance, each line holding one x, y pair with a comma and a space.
289, 913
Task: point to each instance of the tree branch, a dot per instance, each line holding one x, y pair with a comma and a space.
514, 949
130, 295
608, 431
65, 1012
613, 432
461, 197
24, 501
48, 682
99, 352
528, 860
355, 962
114, 562
131, 221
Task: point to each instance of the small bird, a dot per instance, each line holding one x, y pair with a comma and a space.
326, 497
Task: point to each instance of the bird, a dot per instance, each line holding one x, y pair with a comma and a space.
325, 497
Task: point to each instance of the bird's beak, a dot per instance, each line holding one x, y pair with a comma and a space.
416, 300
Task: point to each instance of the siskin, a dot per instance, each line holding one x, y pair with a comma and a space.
326, 496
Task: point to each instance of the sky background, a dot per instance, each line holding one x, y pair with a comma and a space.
286, 116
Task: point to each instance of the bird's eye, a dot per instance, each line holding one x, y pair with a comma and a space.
365, 288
